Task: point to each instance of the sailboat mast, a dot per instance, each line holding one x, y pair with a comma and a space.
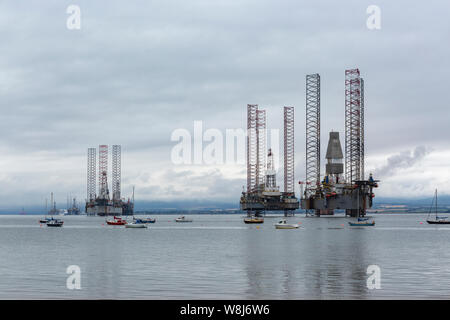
436, 204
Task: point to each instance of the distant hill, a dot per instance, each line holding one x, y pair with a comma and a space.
204, 205
442, 201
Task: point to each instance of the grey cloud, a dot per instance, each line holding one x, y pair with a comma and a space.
137, 70
402, 160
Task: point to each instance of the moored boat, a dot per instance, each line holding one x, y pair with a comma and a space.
136, 225
143, 220
55, 223
362, 222
183, 219
282, 224
117, 221
250, 220
437, 219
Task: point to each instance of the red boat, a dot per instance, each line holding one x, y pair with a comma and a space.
117, 221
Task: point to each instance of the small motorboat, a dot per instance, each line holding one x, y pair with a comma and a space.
117, 221
362, 222
143, 221
136, 225
254, 220
183, 219
282, 224
55, 223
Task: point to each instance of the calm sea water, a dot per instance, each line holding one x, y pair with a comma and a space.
219, 257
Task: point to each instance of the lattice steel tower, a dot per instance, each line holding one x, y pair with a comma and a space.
289, 149
352, 125
91, 176
116, 171
103, 171
261, 146
362, 129
252, 147
312, 132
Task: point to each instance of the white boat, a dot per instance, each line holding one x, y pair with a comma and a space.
183, 219
282, 224
136, 225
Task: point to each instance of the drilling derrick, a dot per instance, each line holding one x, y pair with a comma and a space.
91, 176
362, 177
289, 149
312, 136
352, 125
262, 192
261, 147
271, 179
289, 195
103, 191
116, 172
339, 189
252, 143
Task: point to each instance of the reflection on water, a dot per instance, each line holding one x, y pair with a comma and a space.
218, 256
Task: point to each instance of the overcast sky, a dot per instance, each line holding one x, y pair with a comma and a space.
138, 70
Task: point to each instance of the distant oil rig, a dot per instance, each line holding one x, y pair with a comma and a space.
102, 204
262, 192
350, 191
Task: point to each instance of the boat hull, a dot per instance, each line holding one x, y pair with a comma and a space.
114, 223
286, 226
438, 222
136, 226
144, 221
54, 224
253, 221
365, 224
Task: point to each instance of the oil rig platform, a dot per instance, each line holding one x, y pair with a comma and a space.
339, 189
262, 193
102, 204
344, 185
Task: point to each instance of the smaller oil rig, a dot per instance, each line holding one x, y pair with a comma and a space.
102, 204
262, 193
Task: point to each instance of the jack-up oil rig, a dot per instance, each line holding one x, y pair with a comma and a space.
262, 193
349, 191
102, 204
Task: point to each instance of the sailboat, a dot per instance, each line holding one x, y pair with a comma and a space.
437, 219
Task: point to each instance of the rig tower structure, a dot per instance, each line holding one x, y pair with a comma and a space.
312, 135
340, 189
91, 174
103, 191
252, 145
116, 172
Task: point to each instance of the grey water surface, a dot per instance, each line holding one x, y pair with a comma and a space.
220, 257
